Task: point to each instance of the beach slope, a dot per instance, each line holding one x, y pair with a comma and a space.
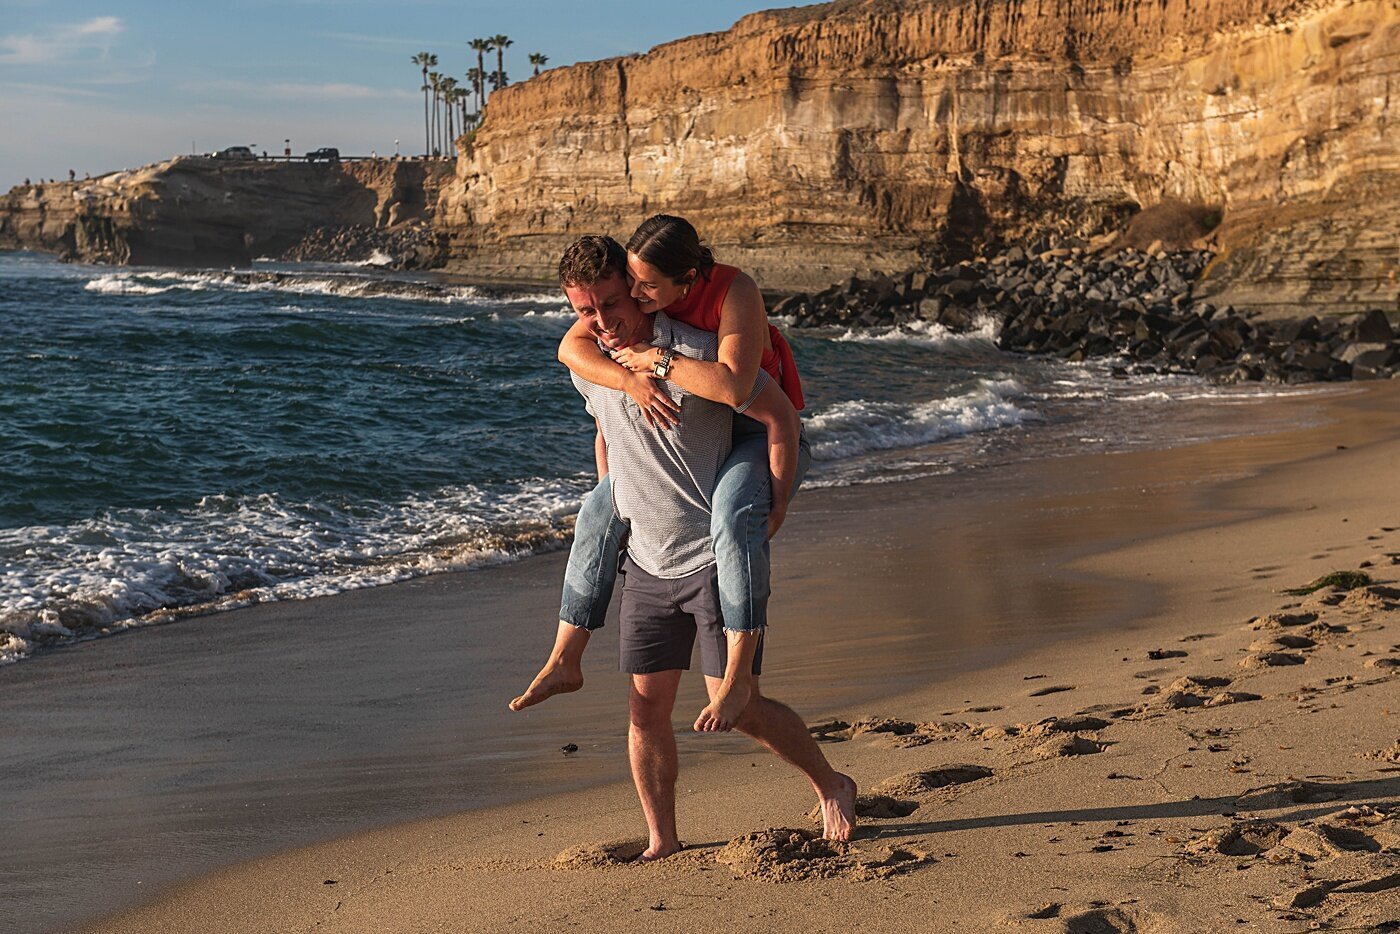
1226, 759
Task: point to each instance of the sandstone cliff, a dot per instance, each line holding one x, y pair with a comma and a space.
870, 134
197, 210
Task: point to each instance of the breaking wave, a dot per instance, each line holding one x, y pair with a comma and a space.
849, 429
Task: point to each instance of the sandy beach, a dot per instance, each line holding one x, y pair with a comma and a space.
1079, 701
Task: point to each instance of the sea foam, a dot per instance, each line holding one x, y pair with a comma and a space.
132, 567
930, 333
348, 285
849, 429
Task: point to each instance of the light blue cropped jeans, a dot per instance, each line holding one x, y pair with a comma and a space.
739, 528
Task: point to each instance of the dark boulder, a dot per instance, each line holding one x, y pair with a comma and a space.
1374, 328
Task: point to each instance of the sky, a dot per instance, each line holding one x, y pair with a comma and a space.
101, 86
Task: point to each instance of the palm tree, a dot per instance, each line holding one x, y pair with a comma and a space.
477, 79
501, 43
499, 79
462, 96
449, 101
427, 60
537, 60
481, 47
435, 82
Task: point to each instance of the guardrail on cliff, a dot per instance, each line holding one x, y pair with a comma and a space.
304, 159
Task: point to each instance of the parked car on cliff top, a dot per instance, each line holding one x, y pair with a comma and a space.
235, 154
324, 154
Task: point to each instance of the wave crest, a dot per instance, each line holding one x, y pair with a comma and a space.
849, 429
135, 567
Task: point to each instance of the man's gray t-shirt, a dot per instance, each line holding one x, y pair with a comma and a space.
663, 479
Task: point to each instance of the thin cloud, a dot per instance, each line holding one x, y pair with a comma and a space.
355, 38
62, 44
298, 91
46, 90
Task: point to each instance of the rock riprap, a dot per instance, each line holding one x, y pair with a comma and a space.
1138, 306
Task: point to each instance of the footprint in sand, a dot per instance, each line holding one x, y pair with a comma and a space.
1052, 689
1074, 724
905, 734
1306, 897
1069, 744
883, 725
600, 855
1196, 691
832, 731
1240, 838
1322, 840
1271, 660
1181, 700
1373, 599
875, 807
917, 783
1277, 621
1197, 682
1112, 921
786, 855
1225, 698
1284, 640
1284, 794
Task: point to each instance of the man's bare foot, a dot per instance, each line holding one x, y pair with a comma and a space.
720, 714
839, 811
554, 678
658, 851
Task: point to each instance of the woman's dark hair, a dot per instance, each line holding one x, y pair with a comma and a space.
671, 245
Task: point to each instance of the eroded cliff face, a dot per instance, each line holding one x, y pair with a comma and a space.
196, 210
861, 135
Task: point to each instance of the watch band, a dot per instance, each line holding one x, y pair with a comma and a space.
663, 367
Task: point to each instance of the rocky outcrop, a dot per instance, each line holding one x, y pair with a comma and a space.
1134, 307
405, 246
875, 135
196, 210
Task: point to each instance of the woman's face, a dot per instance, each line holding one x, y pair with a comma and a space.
653, 290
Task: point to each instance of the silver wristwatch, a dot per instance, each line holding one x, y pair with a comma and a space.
663, 367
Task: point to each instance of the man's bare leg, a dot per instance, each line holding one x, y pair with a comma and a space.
563, 672
651, 750
738, 686
779, 728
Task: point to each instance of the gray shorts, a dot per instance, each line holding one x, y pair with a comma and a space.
661, 617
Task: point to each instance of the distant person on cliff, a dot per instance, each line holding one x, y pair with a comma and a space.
662, 484
669, 269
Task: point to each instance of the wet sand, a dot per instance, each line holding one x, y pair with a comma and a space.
923, 602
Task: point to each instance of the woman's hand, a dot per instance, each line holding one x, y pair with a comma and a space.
776, 515
639, 358
658, 409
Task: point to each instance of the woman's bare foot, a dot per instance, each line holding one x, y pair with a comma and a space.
720, 714
556, 677
563, 673
839, 810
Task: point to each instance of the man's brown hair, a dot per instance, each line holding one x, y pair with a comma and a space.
591, 259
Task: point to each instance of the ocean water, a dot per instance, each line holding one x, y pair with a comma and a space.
179, 442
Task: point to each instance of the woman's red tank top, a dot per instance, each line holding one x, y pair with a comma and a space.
701, 309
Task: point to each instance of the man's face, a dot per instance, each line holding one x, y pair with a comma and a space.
610, 311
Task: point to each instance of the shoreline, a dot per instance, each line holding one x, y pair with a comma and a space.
824, 514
